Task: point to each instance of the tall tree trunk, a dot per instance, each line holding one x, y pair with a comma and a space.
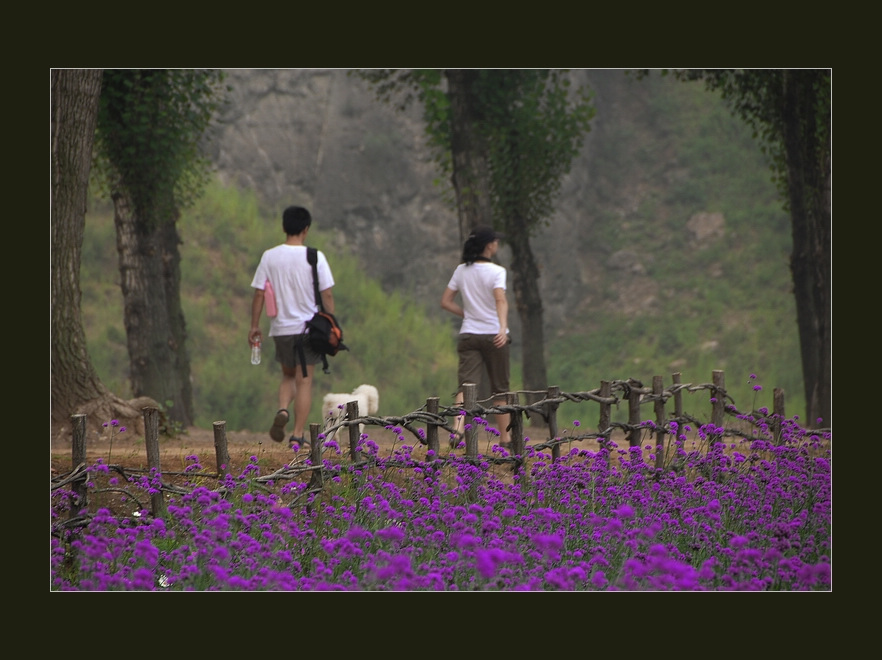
74, 385
75, 96
471, 177
808, 169
150, 281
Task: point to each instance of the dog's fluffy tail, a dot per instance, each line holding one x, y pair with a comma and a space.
373, 397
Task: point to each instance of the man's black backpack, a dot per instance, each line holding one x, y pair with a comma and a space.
323, 333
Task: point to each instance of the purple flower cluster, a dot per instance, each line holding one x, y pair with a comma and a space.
747, 515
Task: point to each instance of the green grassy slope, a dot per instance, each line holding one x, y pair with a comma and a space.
393, 343
725, 305
728, 305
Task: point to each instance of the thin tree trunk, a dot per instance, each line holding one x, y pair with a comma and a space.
169, 240
528, 301
808, 168
471, 176
148, 270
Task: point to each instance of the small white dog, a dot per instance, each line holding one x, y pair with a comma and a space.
334, 405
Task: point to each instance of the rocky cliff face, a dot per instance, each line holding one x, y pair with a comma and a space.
319, 138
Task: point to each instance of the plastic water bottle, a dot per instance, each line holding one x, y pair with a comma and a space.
255, 352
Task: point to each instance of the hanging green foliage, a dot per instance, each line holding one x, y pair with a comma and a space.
534, 123
150, 126
534, 128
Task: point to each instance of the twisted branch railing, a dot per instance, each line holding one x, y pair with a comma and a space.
425, 423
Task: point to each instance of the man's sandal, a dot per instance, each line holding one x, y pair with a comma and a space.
277, 431
300, 442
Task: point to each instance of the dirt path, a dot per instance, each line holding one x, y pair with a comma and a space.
130, 451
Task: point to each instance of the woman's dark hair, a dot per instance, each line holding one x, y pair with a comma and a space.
476, 242
295, 219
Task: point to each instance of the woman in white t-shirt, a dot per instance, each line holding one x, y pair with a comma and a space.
483, 337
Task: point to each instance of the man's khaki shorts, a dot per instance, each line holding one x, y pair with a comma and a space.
288, 353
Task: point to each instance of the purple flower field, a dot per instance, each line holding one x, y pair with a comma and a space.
747, 514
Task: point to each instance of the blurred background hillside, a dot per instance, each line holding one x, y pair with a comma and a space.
668, 250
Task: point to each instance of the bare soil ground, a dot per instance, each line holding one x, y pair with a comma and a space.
130, 451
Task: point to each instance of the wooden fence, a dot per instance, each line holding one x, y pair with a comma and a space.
435, 418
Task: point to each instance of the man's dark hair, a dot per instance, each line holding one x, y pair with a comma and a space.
295, 219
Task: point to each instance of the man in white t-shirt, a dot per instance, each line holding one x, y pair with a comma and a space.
290, 274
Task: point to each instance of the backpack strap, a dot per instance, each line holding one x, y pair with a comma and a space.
302, 353
312, 258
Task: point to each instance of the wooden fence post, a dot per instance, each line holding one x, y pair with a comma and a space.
517, 426
151, 439
551, 413
517, 441
678, 415
469, 402
603, 426
315, 456
634, 413
78, 457
678, 398
432, 405
658, 389
778, 410
221, 451
352, 413
718, 404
